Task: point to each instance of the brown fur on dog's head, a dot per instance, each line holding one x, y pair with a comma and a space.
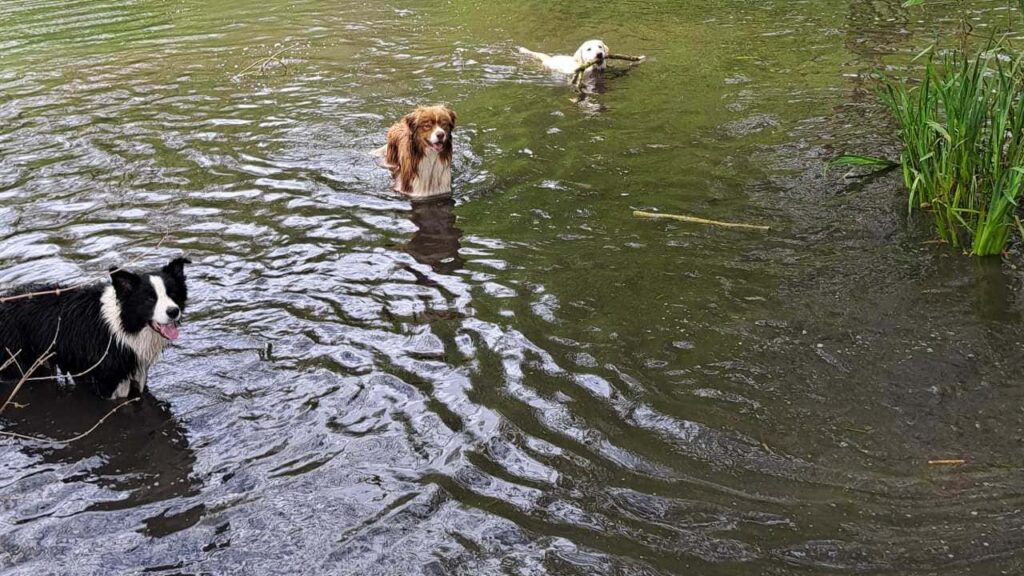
425, 129
425, 119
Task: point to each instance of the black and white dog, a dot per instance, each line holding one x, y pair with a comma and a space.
107, 335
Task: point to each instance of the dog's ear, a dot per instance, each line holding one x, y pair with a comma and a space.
578, 55
176, 267
123, 280
453, 115
411, 120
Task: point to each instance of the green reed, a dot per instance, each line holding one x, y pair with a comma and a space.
962, 130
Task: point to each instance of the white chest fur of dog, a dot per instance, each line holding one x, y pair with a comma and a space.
433, 176
146, 344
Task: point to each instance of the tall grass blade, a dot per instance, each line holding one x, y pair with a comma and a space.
962, 130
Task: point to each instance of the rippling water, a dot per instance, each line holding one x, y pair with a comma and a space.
525, 379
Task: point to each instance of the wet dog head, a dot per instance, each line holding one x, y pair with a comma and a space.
432, 127
592, 51
154, 300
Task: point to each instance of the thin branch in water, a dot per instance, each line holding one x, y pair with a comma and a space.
16, 363
43, 359
76, 438
12, 358
17, 387
264, 62
577, 76
696, 220
110, 341
47, 355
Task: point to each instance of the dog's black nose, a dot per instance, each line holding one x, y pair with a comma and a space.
173, 312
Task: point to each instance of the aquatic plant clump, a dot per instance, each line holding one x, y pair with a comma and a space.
962, 130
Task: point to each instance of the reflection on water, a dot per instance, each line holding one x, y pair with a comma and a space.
995, 295
436, 239
142, 457
597, 83
540, 384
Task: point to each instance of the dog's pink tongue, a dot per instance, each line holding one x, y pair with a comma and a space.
169, 331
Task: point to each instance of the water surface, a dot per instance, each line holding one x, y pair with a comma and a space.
524, 379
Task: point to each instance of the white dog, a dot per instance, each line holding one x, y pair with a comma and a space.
590, 51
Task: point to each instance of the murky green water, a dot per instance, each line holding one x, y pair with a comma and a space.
528, 380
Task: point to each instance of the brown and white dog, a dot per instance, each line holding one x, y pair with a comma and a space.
419, 152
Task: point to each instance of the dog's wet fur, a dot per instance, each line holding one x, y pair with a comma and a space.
419, 152
590, 52
103, 335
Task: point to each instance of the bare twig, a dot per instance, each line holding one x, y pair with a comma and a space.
43, 359
695, 220
16, 363
60, 290
76, 438
35, 366
12, 358
264, 62
26, 376
577, 76
110, 341
624, 57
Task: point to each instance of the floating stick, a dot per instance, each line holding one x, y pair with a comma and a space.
695, 220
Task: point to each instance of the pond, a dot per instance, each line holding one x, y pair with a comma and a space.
525, 379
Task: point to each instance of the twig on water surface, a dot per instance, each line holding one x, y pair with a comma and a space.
264, 62
84, 283
110, 341
12, 358
43, 359
75, 438
26, 376
696, 220
953, 462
